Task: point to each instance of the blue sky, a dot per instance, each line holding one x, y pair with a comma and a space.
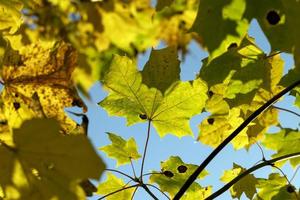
187, 148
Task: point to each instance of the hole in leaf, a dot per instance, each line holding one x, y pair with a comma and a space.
211, 121
181, 169
273, 17
232, 46
168, 174
16, 105
143, 116
290, 189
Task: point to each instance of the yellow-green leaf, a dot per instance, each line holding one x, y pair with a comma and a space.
162, 69
174, 173
44, 164
246, 185
169, 112
113, 184
10, 15
284, 142
121, 150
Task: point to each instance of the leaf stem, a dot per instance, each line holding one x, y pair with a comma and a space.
119, 190
273, 54
287, 110
250, 170
117, 171
132, 196
149, 191
158, 190
152, 173
219, 148
132, 167
145, 149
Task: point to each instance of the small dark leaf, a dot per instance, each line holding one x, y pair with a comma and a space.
211, 121
232, 46
273, 17
168, 174
181, 169
16, 105
143, 116
290, 189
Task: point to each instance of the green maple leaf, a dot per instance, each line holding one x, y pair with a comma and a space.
44, 164
112, 184
274, 188
169, 112
162, 69
284, 142
121, 149
174, 173
220, 24
245, 185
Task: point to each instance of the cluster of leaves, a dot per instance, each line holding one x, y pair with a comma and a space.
51, 48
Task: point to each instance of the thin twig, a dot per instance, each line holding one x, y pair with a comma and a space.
250, 170
294, 175
145, 149
132, 196
158, 190
117, 171
132, 167
274, 54
261, 150
287, 110
119, 190
149, 191
219, 148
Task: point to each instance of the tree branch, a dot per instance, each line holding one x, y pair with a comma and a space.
250, 170
216, 151
287, 110
148, 191
158, 190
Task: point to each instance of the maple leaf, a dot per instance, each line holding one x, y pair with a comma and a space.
274, 188
38, 83
112, 184
228, 25
162, 69
174, 173
43, 164
10, 15
169, 112
121, 150
245, 185
284, 142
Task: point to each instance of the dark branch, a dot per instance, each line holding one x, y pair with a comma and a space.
149, 191
250, 170
287, 110
119, 190
145, 149
117, 171
216, 151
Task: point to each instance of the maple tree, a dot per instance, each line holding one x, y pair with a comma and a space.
52, 50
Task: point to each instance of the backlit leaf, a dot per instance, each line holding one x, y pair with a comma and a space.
121, 150
38, 83
44, 164
112, 184
172, 183
169, 112
10, 15
245, 185
284, 142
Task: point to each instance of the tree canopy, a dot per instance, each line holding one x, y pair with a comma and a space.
52, 52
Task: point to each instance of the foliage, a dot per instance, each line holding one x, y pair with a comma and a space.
50, 51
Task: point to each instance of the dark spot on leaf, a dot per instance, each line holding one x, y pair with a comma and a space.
232, 46
210, 93
290, 189
77, 102
143, 116
16, 95
16, 105
211, 121
181, 169
168, 174
273, 17
3, 122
